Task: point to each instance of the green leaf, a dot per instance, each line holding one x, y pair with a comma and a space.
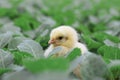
15, 3
13, 13
83, 29
3, 12
114, 67
19, 56
40, 65
60, 11
106, 60
101, 36
3, 70
99, 27
10, 12
43, 41
91, 44
109, 52
115, 71
26, 22
113, 3
73, 54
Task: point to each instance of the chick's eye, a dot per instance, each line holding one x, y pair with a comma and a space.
60, 38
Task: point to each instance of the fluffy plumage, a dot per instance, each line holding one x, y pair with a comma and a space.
67, 38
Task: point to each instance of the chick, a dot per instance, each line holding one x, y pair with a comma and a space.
67, 38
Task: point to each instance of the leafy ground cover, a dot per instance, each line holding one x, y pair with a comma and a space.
24, 33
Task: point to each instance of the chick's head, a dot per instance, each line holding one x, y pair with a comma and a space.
63, 36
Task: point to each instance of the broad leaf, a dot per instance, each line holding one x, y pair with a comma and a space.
5, 39
12, 45
74, 54
100, 36
3, 11
93, 67
3, 70
108, 42
6, 58
19, 75
31, 47
26, 22
92, 44
25, 75
109, 52
41, 65
10, 27
83, 29
114, 66
19, 56
3, 21
14, 67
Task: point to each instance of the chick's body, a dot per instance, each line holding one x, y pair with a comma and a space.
67, 38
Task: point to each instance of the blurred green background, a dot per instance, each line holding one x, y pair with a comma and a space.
96, 21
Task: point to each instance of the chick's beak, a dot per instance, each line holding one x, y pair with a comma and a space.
52, 41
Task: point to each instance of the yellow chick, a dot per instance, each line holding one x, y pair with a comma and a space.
67, 38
